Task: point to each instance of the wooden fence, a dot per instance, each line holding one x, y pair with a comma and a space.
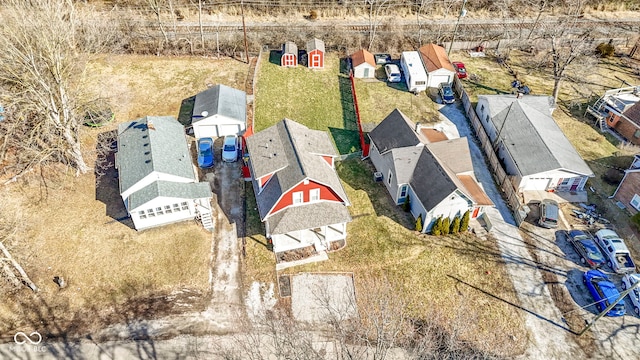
510, 193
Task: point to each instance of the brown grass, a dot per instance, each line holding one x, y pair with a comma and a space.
67, 232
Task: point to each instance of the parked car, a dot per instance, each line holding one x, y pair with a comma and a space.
205, 153
393, 73
615, 251
586, 247
446, 93
230, 148
604, 292
627, 281
461, 71
382, 59
549, 212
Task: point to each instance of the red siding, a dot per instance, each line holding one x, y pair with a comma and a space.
329, 160
263, 180
313, 63
289, 60
287, 198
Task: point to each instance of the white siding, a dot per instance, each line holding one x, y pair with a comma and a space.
359, 71
414, 73
218, 125
440, 76
163, 216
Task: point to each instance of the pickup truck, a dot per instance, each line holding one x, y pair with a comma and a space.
615, 251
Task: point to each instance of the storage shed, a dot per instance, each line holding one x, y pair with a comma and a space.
315, 54
289, 54
436, 62
364, 64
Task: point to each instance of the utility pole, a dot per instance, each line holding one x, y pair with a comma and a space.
462, 13
244, 29
605, 311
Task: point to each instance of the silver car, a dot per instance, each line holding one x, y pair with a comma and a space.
627, 281
230, 148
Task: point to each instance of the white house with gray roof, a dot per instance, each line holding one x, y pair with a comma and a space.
532, 147
299, 195
219, 111
158, 180
436, 177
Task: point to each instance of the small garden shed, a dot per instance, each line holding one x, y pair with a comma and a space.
315, 54
289, 54
364, 64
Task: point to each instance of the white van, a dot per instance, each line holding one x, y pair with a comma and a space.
414, 73
393, 73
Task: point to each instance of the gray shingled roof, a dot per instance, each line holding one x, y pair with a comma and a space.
220, 100
430, 181
532, 137
168, 189
290, 47
395, 131
314, 44
307, 217
404, 162
293, 153
153, 143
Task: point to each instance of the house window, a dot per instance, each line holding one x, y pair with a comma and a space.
159, 211
314, 195
389, 177
167, 209
141, 215
150, 213
635, 202
297, 197
565, 182
176, 207
403, 191
185, 206
636, 134
420, 83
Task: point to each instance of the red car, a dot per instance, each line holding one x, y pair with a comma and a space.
461, 71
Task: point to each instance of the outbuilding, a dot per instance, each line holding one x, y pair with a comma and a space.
315, 54
414, 74
364, 64
289, 54
219, 111
436, 63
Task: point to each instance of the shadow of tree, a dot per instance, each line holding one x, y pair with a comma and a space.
107, 187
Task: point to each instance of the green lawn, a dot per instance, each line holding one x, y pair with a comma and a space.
377, 98
423, 269
318, 99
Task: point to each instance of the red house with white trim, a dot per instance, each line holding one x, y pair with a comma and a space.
315, 54
299, 195
289, 56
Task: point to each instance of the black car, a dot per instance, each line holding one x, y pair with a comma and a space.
586, 247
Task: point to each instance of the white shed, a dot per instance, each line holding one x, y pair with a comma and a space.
219, 111
364, 64
436, 62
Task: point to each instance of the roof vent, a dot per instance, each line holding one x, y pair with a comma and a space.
205, 113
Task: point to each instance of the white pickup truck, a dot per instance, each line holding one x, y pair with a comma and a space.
615, 250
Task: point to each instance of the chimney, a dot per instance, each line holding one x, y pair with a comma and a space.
417, 126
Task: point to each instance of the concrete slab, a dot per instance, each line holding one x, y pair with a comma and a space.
559, 196
317, 298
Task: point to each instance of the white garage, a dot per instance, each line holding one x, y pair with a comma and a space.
436, 79
436, 62
219, 111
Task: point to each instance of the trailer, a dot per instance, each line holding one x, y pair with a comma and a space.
415, 75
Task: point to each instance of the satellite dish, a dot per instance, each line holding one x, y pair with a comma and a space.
205, 113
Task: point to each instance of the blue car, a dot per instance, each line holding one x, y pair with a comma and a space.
586, 247
205, 152
604, 292
446, 93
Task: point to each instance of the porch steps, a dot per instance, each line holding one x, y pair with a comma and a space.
206, 220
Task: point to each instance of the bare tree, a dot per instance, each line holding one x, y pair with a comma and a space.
375, 8
420, 6
565, 47
198, 5
40, 67
158, 7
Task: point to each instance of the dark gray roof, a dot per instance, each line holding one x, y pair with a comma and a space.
532, 137
293, 153
153, 143
430, 181
290, 48
314, 44
220, 100
307, 217
168, 189
395, 131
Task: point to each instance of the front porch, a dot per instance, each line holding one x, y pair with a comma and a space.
320, 238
